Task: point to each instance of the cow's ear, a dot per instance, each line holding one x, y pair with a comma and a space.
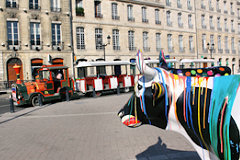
162, 61
157, 90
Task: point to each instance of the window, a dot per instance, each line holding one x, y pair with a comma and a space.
231, 8
56, 34
115, 12
204, 45
79, 8
98, 38
232, 45
55, 6
180, 24
11, 4
35, 34
79, 3
179, 5
168, 3
189, 4
217, 6
157, 21
190, 25
218, 22
169, 23
211, 39
226, 44
202, 4
158, 41
219, 44
210, 5
211, 22
238, 28
203, 21
225, 24
130, 13
12, 33
144, 15
80, 38
239, 48
116, 45
225, 7
131, 41
97, 7
34, 4
191, 48
145, 42
232, 26
180, 41
170, 44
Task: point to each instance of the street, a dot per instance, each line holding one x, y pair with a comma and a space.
85, 129
4, 104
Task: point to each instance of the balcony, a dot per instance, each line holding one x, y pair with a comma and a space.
182, 50
116, 48
190, 26
219, 29
81, 47
233, 51
57, 45
180, 25
56, 9
232, 13
131, 19
169, 24
212, 27
79, 11
98, 15
204, 26
211, 8
146, 49
226, 50
219, 10
11, 4
34, 7
13, 45
205, 50
36, 45
157, 22
132, 48
115, 17
145, 20
170, 49
226, 29
226, 12
233, 30
220, 50
159, 49
192, 50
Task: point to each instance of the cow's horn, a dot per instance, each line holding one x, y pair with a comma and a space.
143, 68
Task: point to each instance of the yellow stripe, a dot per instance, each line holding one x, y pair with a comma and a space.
160, 90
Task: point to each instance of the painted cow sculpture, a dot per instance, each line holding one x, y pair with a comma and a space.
204, 109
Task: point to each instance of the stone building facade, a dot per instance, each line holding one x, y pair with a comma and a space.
181, 28
33, 33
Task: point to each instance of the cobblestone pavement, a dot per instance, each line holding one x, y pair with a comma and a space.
85, 129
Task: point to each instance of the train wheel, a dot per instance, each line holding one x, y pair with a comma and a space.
126, 89
98, 94
34, 101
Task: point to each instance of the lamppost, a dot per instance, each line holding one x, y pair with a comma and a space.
211, 49
99, 40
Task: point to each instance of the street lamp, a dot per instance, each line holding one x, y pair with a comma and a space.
99, 39
210, 48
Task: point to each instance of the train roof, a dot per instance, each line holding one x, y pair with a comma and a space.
102, 63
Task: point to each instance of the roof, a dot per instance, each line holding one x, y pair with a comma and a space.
53, 67
102, 63
197, 61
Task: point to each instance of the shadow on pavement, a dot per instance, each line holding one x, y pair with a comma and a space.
159, 151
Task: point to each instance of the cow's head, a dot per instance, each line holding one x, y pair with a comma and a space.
147, 104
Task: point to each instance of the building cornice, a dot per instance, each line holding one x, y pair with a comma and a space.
144, 2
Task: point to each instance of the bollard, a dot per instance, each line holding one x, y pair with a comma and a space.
94, 93
67, 95
118, 90
40, 100
11, 104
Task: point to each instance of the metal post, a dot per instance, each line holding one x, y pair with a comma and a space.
104, 52
11, 104
67, 95
40, 100
118, 90
94, 93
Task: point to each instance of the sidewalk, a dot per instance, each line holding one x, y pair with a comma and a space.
85, 129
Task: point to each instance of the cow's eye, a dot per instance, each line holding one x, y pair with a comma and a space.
139, 87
